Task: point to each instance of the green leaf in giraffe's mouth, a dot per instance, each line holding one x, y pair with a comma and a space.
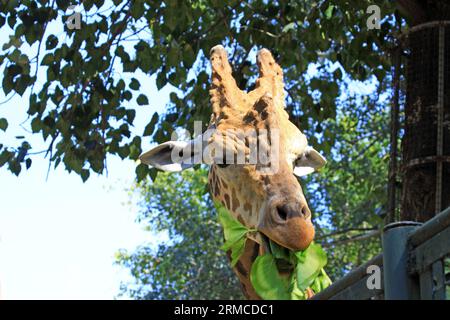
298, 270
281, 273
235, 234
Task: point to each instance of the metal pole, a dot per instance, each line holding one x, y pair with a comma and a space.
398, 284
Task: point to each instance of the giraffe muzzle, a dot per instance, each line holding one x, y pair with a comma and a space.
288, 224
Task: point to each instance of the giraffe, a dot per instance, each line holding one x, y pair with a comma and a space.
270, 201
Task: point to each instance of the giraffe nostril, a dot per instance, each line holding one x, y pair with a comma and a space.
290, 210
305, 212
282, 213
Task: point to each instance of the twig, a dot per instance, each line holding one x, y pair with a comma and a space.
344, 231
37, 152
360, 237
50, 150
8, 99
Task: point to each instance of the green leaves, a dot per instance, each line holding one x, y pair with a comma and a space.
329, 11
112, 45
150, 127
84, 174
141, 171
5, 156
135, 148
28, 163
309, 264
134, 84
279, 252
321, 282
51, 42
48, 59
22, 84
10, 74
264, 275
237, 249
308, 273
188, 55
3, 124
142, 100
267, 281
234, 232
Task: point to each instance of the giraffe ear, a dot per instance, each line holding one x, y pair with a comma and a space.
310, 161
173, 156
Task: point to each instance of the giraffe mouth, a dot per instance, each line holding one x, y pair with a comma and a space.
295, 233
282, 255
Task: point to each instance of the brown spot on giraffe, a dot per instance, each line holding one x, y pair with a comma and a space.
234, 200
255, 253
216, 191
226, 201
248, 208
224, 184
241, 269
217, 184
270, 201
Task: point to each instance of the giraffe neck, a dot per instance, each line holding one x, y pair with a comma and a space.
233, 195
228, 196
254, 246
243, 268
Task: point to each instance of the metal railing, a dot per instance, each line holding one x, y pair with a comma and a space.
412, 264
353, 286
429, 245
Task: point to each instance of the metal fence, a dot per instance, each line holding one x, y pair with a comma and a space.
414, 265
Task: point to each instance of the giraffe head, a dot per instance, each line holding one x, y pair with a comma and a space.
255, 154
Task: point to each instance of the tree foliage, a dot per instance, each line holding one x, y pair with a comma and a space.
83, 107
349, 195
190, 265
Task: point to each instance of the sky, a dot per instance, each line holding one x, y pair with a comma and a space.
58, 236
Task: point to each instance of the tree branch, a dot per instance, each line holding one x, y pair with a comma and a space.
332, 234
359, 237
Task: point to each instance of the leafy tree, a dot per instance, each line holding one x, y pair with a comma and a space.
190, 265
83, 108
349, 195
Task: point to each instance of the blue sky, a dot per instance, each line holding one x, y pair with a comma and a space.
58, 237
